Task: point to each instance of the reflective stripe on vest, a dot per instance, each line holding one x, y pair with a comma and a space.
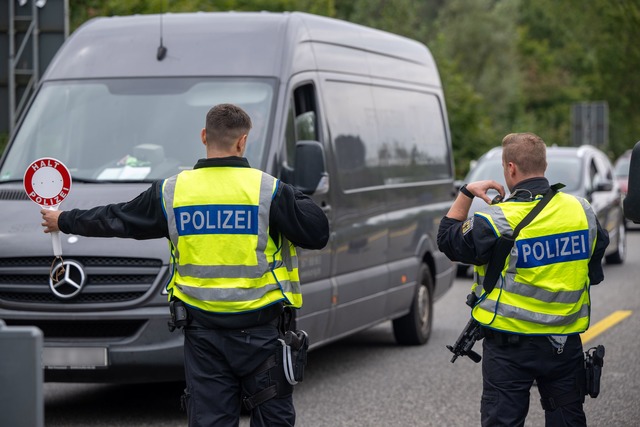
226, 207
544, 285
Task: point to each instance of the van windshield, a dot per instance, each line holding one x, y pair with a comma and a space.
132, 129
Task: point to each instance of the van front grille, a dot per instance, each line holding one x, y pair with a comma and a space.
41, 298
13, 195
25, 281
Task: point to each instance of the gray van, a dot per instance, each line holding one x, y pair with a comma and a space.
352, 115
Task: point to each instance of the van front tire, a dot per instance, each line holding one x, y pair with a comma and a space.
415, 327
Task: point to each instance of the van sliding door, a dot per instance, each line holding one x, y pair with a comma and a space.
359, 210
417, 174
304, 123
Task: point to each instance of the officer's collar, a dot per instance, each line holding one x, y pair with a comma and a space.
232, 161
528, 189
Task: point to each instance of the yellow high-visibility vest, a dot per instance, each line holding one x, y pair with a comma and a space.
223, 258
544, 285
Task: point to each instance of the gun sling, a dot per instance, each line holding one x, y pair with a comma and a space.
505, 243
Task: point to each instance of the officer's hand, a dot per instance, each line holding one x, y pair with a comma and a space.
50, 220
480, 188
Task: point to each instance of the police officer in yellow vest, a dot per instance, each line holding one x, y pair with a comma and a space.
232, 232
532, 318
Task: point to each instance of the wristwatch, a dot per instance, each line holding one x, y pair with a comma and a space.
466, 192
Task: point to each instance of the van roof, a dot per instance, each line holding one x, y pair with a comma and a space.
237, 44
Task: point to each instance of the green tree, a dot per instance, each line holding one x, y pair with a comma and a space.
549, 58
574, 51
403, 17
480, 36
82, 10
614, 36
474, 44
472, 132
505, 65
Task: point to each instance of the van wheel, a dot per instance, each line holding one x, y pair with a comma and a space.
415, 327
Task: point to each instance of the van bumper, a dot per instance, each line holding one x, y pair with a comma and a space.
148, 353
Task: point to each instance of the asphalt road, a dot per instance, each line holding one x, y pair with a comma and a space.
368, 380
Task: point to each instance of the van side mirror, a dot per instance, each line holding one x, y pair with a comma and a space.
310, 168
632, 200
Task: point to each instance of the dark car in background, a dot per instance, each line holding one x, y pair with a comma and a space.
586, 172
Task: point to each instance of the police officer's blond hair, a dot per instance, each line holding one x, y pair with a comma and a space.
527, 151
225, 124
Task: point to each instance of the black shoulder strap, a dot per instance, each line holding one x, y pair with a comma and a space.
504, 244
536, 209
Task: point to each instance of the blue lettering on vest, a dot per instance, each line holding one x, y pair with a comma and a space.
217, 219
556, 248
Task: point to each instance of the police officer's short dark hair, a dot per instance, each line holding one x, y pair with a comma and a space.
527, 150
226, 123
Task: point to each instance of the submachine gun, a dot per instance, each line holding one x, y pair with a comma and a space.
470, 334
473, 331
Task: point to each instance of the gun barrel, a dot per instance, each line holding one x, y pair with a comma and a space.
455, 352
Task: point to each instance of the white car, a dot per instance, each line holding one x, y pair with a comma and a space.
586, 172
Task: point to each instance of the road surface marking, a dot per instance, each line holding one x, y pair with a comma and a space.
606, 323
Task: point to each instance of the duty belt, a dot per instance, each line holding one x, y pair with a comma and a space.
503, 338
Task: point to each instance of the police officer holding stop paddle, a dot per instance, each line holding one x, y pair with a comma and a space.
233, 232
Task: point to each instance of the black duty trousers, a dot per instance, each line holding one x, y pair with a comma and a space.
509, 370
215, 362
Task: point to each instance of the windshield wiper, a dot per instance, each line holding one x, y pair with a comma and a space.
110, 181
132, 181
84, 180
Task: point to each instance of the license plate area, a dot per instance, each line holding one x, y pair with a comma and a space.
74, 357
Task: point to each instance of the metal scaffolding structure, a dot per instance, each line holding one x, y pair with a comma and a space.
33, 32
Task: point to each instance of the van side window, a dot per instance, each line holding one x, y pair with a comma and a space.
301, 123
353, 128
290, 139
412, 136
386, 136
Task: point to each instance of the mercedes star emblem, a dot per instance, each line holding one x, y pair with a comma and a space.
72, 279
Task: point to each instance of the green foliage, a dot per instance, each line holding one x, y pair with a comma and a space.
550, 55
480, 37
615, 44
480, 79
531, 61
82, 10
472, 132
402, 17
506, 65
574, 51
